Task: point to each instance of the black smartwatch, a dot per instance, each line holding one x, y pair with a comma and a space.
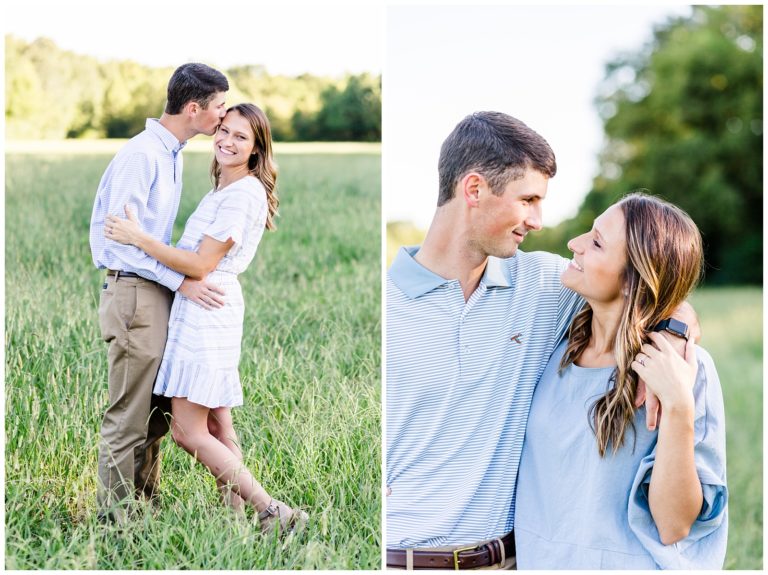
673, 326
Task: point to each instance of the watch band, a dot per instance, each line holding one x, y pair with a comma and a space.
673, 326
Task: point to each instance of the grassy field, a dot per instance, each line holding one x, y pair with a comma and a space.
731, 320
310, 426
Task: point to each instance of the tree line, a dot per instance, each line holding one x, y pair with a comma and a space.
683, 120
52, 93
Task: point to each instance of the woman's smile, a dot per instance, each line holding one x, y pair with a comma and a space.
575, 265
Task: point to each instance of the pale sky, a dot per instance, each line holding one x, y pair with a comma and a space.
541, 64
286, 38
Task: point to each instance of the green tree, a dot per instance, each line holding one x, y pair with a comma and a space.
24, 96
132, 94
45, 89
683, 120
51, 93
281, 97
351, 113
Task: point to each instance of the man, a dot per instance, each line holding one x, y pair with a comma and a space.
464, 354
471, 323
137, 293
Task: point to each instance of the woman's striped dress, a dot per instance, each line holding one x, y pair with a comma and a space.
203, 348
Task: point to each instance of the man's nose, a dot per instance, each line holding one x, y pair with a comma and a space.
533, 221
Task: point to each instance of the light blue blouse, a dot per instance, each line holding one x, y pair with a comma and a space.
576, 510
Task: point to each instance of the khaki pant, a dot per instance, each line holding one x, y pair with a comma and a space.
133, 316
510, 563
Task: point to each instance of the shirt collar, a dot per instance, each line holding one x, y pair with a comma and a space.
497, 273
415, 280
166, 137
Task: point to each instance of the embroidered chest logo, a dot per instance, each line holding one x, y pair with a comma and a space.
516, 338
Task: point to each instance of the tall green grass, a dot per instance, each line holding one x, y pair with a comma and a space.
309, 428
731, 321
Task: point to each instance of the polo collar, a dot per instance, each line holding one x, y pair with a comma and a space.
415, 280
166, 137
497, 273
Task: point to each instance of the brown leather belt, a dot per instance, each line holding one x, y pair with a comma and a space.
121, 274
483, 555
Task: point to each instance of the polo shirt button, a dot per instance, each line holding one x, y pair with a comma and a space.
466, 349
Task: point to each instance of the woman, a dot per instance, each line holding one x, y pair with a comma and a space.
199, 366
597, 490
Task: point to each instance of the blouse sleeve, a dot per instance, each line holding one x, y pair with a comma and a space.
704, 548
236, 212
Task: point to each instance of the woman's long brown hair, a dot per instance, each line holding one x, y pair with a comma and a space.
664, 263
261, 164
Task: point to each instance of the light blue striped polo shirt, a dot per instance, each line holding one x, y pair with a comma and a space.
460, 378
146, 174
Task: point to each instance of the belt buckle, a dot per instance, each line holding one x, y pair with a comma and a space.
456, 555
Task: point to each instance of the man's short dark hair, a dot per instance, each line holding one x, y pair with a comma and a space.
496, 145
194, 82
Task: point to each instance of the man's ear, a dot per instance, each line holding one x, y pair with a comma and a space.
470, 188
191, 108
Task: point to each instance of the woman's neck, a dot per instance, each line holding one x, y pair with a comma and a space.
230, 175
605, 325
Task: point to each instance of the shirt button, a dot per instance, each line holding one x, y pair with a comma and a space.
466, 349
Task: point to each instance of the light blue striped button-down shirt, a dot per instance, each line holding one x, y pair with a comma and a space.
460, 378
146, 174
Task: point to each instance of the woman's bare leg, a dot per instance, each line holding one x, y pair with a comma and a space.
190, 431
221, 427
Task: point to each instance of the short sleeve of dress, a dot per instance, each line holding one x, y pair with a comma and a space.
237, 210
705, 545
